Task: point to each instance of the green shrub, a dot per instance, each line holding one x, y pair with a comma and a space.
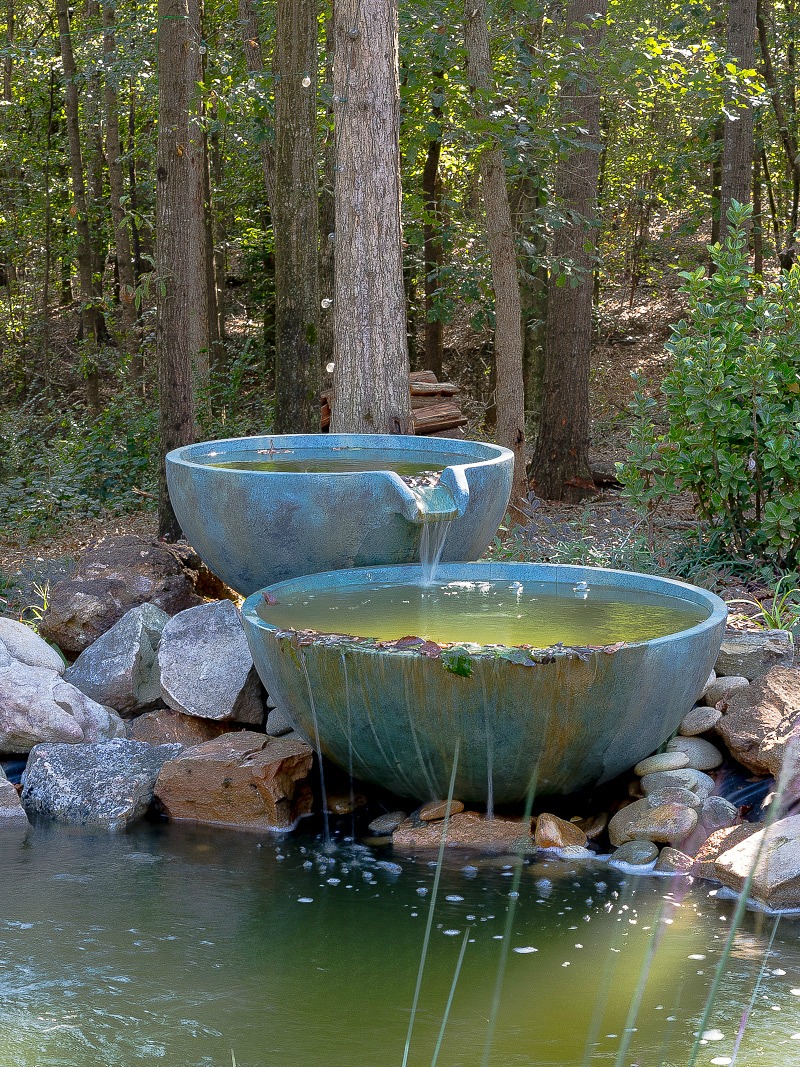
732, 408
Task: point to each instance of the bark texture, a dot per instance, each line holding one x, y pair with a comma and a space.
181, 317
509, 389
560, 467
254, 58
122, 240
737, 147
371, 392
295, 219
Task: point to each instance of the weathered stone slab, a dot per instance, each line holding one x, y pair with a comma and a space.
243, 780
749, 655
762, 720
673, 861
467, 830
163, 726
107, 784
120, 668
717, 843
37, 705
206, 667
774, 854
25, 645
114, 575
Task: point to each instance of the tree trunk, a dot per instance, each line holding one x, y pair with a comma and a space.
251, 42
80, 206
510, 387
122, 241
327, 214
561, 458
737, 148
181, 315
371, 393
295, 219
432, 234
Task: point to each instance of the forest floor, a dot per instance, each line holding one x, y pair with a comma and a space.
603, 531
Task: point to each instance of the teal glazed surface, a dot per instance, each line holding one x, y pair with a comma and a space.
577, 719
254, 528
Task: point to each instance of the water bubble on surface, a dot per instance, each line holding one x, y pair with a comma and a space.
779, 970
305, 900
450, 933
713, 1035
334, 881
469, 871
422, 890
454, 898
524, 949
696, 956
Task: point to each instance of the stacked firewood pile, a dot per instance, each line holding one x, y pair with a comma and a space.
434, 405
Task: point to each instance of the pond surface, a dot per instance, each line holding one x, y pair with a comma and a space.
180, 947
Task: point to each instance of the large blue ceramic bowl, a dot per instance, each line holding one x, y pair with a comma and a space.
253, 528
561, 718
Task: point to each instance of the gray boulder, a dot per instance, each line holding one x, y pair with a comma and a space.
749, 655
206, 667
12, 814
108, 784
114, 575
761, 721
37, 705
668, 823
120, 669
24, 644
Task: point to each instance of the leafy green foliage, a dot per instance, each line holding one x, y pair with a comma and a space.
57, 463
732, 438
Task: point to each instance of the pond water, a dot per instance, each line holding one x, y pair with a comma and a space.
192, 948
485, 612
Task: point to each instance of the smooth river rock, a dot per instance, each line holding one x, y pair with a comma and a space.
723, 689
206, 667
749, 655
640, 853
774, 855
26, 646
716, 813
661, 761
761, 721
243, 780
114, 575
467, 830
665, 823
107, 784
699, 721
388, 823
120, 668
703, 756
37, 705
552, 832
688, 777
673, 861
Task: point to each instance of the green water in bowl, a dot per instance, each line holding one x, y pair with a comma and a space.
335, 460
539, 614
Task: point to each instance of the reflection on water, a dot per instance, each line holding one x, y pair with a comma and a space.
178, 947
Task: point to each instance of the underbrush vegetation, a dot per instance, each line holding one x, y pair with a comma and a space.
57, 461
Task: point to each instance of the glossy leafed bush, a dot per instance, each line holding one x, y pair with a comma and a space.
731, 410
